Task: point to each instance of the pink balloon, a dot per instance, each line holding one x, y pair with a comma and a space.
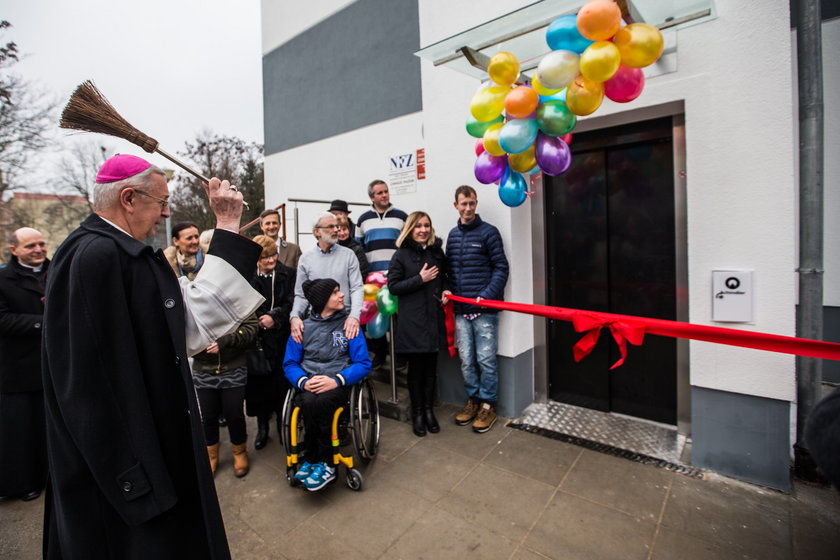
625, 85
378, 278
479, 146
369, 311
567, 138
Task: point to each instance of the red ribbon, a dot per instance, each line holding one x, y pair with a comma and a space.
632, 329
449, 321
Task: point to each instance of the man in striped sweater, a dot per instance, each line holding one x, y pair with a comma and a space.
378, 230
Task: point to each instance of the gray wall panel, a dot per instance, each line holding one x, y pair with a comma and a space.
353, 69
743, 436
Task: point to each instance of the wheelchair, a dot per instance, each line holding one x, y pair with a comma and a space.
355, 425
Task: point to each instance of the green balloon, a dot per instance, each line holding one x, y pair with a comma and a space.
554, 118
386, 302
477, 128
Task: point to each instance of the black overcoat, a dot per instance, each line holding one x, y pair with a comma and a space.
420, 322
129, 474
21, 316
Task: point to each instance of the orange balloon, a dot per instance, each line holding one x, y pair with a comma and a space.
640, 45
599, 20
521, 102
584, 96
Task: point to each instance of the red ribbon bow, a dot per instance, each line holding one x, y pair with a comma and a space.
622, 332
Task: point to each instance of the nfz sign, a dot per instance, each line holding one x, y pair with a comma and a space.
405, 170
402, 162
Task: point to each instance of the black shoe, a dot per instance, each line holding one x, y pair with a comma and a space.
418, 422
430, 420
222, 421
378, 360
31, 496
262, 433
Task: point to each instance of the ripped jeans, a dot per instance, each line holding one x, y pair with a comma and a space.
477, 343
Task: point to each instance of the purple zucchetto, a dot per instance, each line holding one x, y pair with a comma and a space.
121, 166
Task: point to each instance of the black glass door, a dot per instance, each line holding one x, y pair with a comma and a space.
611, 247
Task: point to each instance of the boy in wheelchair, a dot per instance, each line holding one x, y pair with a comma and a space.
322, 367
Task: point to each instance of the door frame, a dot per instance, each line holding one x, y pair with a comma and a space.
676, 110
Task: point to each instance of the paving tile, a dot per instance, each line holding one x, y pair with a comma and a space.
502, 501
461, 439
523, 553
732, 514
425, 470
372, 519
572, 527
21, 524
314, 542
244, 542
636, 489
534, 456
672, 544
437, 535
395, 439
280, 508
815, 522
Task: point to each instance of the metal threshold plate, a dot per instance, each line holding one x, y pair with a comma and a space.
635, 439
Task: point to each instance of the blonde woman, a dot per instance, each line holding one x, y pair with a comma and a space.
416, 275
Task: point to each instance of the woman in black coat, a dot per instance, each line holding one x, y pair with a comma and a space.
416, 275
276, 283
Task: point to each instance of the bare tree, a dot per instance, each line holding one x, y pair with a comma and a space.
26, 115
226, 157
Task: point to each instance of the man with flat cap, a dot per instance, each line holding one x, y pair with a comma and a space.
129, 473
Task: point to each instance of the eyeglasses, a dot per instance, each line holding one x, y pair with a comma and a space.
274, 256
164, 202
334, 226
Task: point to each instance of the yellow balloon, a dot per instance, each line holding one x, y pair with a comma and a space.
370, 292
488, 103
523, 162
491, 140
541, 89
584, 96
639, 44
600, 61
503, 68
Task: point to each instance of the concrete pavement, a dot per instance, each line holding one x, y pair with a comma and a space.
505, 494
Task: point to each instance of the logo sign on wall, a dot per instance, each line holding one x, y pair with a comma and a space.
405, 170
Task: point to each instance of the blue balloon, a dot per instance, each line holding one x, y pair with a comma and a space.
518, 135
378, 326
563, 34
559, 96
512, 189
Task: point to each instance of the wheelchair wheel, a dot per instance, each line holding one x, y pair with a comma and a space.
286, 436
364, 415
355, 480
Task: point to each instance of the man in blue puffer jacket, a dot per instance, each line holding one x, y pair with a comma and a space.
477, 268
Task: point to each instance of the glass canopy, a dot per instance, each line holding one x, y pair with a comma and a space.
522, 32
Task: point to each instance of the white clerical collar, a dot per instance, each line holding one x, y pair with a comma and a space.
32, 268
109, 222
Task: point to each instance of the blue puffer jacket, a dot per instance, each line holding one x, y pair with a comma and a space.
477, 264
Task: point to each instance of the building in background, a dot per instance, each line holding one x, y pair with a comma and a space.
693, 182
55, 216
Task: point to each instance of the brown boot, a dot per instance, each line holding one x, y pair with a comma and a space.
240, 460
213, 454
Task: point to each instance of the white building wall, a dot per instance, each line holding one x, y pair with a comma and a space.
736, 82
282, 20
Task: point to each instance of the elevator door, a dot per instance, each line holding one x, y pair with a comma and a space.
611, 247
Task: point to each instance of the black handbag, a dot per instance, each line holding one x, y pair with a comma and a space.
258, 362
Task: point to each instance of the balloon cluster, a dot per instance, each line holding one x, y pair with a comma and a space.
526, 127
379, 305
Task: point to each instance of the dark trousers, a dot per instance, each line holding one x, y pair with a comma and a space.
23, 443
422, 378
317, 411
215, 402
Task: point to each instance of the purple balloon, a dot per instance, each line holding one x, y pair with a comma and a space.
553, 155
489, 168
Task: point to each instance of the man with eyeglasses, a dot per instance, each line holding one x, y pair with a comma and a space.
328, 259
129, 474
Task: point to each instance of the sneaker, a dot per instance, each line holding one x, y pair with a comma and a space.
322, 474
485, 419
467, 413
304, 471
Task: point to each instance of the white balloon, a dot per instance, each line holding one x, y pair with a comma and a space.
557, 69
